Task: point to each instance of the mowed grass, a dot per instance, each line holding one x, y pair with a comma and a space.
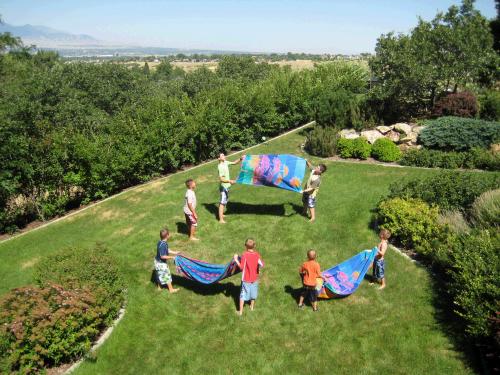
394, 331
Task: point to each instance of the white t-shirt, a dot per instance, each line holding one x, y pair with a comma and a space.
190, 197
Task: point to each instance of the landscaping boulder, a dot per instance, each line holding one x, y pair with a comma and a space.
393, 136
349, 134
409, 138
402, 128
417, 129
372, 135
495, 148
384, 129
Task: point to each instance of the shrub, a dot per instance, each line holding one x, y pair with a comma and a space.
474, 286
448, 189
454, 220
476, 158
485, 210
459, 134
412, 222
345, 148
462, 104
322, 141
482, 159
489, 106
384, 149
361, 148
94, 269
45, 327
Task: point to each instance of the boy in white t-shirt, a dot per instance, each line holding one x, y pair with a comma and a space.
190, 209
311, 190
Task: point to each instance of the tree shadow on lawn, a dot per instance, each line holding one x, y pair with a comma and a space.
228, 289
450, 324
248, 208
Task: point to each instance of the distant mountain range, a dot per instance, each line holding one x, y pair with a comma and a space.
46, 37
68, 44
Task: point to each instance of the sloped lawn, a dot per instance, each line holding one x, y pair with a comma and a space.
394, 331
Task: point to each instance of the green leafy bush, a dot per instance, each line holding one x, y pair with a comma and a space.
412, 222
490, 106
449, 190
45, 327
94, 269
384, 149
474, 271
322, 141
462, 104
361, 148
459, 134
345, 148
454, 220
476, 158
485, 210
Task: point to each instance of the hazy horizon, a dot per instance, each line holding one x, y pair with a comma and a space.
317, 26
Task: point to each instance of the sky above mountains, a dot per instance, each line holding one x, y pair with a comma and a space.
314, 26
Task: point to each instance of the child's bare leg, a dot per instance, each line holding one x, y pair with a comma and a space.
192, 231
221, 213
315, 305
301, 300
252, 304
171, 289
313, 214
382, 283
242, 302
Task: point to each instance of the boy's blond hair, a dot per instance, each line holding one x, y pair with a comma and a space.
250, 243
311, 254
385, 234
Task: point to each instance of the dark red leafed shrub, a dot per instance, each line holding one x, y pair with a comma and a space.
461, 104
44, 327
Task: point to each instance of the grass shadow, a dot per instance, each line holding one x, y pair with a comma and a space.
228, 289
298, 209
248, 209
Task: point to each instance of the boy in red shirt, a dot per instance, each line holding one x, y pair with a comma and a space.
310, 271
249, 263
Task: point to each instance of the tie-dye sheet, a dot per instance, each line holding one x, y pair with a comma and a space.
203, 272
281, 171
344, 278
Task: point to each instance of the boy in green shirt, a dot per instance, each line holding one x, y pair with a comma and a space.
225, 183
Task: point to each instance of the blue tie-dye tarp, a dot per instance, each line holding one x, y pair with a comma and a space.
344, 278
281, 171
203, 272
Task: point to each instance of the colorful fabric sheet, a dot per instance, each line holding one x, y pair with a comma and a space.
281, 171
344, 278
203, 272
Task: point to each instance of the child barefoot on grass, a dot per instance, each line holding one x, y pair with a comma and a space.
160, 263
310, 271
379, 263
249, 263
190, 209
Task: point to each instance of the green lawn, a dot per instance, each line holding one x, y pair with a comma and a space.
394, 331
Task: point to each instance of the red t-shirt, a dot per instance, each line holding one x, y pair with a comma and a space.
250, 263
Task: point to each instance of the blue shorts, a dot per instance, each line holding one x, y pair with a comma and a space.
308, 200
224, 195
249, 291
378, 268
